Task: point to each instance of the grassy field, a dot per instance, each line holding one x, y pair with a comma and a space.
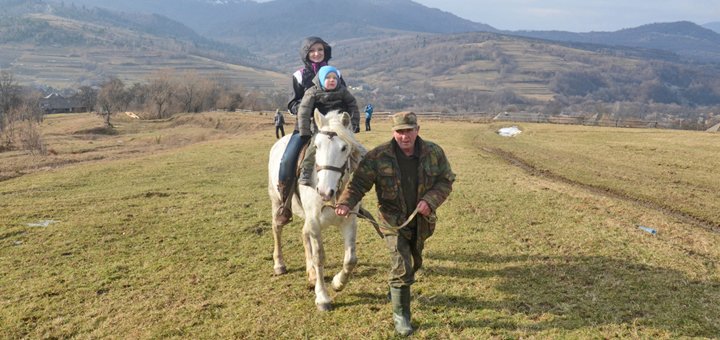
162, 231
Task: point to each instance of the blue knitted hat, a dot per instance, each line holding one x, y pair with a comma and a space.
323, 72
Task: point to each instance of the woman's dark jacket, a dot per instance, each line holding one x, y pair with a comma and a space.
303, 78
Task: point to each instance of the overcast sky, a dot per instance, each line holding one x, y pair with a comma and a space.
578, 15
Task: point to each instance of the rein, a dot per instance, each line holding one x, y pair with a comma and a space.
384, 225
363, 214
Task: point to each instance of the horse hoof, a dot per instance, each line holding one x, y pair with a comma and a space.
324, 307
280, 270
337, 285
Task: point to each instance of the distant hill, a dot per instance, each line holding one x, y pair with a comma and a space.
200, 15
61, 45
271, 26
468, 71
715, 26
288, 21
684, 38
22, 22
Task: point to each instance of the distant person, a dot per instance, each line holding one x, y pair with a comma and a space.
314, 53
328, 94
279, 124
368, 116
409, 174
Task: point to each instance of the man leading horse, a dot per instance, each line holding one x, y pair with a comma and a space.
412, 178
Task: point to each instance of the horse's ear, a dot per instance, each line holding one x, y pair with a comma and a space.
320, 120
346, 119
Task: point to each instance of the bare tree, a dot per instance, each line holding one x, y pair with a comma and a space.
10, 97
230, 101
278, 99
88, 97
30, 106
111, 97
160, 93
211, 95
138, 94
30, 115
192, 91
21, 120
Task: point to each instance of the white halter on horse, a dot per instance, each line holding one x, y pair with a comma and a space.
338, 155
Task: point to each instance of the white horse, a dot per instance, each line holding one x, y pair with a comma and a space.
337, 156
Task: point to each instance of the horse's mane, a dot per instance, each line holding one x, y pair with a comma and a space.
337, 123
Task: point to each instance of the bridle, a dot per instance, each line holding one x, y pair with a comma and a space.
342, 169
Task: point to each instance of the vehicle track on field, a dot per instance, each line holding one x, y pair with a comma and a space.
512, 159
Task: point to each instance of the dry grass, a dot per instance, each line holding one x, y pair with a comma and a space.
673, 170
78, 138
174, 241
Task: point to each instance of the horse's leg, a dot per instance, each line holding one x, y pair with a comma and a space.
322, 299
278, 261
349, 231
309, 267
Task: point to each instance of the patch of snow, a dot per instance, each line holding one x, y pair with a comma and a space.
509, 131
43, 224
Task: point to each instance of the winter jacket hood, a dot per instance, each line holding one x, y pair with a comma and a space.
305, 49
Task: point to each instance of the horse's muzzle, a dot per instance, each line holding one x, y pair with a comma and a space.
327, 196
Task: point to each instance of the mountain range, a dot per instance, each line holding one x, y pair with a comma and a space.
395, 52
270, 26
686, 39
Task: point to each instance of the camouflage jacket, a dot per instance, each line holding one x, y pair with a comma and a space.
380, 168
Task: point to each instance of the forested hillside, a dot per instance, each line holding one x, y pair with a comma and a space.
487, 71
686, 41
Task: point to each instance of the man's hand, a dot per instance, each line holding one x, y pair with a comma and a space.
422, 207
342, 210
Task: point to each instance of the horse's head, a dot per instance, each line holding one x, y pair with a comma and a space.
337, 152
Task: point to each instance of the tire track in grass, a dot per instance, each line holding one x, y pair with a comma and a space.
510, 158
708, 260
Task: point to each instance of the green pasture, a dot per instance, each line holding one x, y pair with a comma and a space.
177, 242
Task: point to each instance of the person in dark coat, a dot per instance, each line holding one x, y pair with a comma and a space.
409, 174
314, 53
327, 95
279, 120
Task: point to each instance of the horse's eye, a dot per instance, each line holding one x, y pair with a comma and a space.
344, 148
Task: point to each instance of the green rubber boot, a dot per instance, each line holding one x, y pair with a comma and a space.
401, 310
